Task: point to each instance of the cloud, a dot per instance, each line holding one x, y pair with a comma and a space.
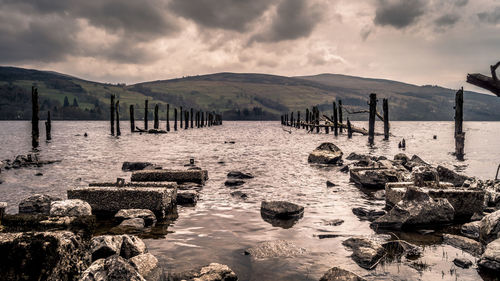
293, 19
447, 20
492, 17
461, 3
234, 15
399, 13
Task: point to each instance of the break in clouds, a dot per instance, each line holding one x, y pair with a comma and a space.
117, 40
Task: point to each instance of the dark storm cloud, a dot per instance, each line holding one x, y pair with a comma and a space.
447, 20
294, 19
399, 13
224, 14
492, 17
461, 3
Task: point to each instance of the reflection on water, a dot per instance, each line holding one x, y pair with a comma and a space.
220, 227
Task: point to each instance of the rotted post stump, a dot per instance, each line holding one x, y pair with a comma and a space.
48, 127
156, 124
168, 117
371, 125
385, 106
112, 114
335, 120
146, 115
459, 118
349, 129
132, 118
175, 119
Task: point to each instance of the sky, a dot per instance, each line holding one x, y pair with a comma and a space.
423, 42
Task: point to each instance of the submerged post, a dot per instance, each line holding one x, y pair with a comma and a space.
191, 117
118, 132
317, 120
202, 122
349, 129
371, 124
48, 127
168, 117
180, 118
186, 117
132, 119
146, 115
335, 120
156, 122
385, 105
35, 132
298, 120
112, 114
459, 116
175, 119
340, 116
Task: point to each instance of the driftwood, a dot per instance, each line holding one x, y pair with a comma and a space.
354, 129
491, 84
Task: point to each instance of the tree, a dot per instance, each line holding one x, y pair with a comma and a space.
66, 101
75, 103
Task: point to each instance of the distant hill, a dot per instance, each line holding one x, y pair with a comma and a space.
245, 96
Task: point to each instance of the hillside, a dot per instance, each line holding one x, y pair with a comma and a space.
238, 96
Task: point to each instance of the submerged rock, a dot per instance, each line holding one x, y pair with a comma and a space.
147, 215
334, 222
330, 184
111, 268
239, 194
234, 182
326, 153
489, 227
188, 197
273, 249
339, 274
399, 247
491, 256
70, 208
281, 209
470, 246
462, 262
239, 175
37, 204
366, 253
136, 166
367, 214
211, 272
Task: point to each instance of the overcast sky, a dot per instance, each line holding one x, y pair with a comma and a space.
414, 41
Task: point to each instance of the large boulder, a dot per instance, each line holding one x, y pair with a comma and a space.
416, 208
37, 204
104, 246
491, 256
326, 153
70, 208
111, 268
365, 253
489, 228
339, 274
274, 249
374, 178
59, 255
147, 266
450, 176
147, 215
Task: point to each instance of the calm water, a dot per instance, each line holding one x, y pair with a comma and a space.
219, 228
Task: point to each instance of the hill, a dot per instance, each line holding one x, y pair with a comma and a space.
247, 96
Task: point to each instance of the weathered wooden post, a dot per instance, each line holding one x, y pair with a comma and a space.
132, 118
298, 120
146, 115
317, 120
156, 122
385, 106
48, 127
281, 119
371, 124
291, 119
180, 118
335, 121
459, 116
349, 129
197, 119
175, 119
307, 119
118, 132
186, 117
168, 117
192, 118
202, 119
112, 114
340, 117
35, 132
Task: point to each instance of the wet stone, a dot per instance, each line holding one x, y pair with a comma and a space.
374, 178
211, 272
366, 253
326, 153
339, 274
466, 244
135, 166
187, 197
462, 262
330, 184
334, 222
273, 249
239, 194
367, 214
179, 176
239, 175
147, 215
234, 182
281, 209
37, 204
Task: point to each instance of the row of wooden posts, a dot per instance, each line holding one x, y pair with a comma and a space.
198, 119
335, 122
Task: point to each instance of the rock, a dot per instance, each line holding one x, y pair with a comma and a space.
401, 157
489, 228
135, 166
416, 208
132, 225
179, 176
147, 215
147, 266
211, 272
366, 253
470, 246
339, 274
190, 186
326, 153
58, 255
330, 184
422, 174
239, 175
104, 246
188, 197
491, 256
3, 206
397, 248
379, 195
70, 208
357, 157
234, 182
471, 230
274, 249
239, 194
345, 169
39, 174
375, 178
334, 222
111, 268
37, 204
448, 175
132, 246
281, 209
367, 214
462, 262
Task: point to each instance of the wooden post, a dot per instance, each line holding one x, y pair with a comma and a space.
459, 116
132, 119
385, 106
335, 121
202, 119
298, 120
146, 115
168, 117
112, 114
48, 127
156, 123
186, 118
197, 119
180, 118
317, 120
281, 119
340, 116
371, 124
175, 119
349, 129
291, 119
118, 132
191, 117
326, 129
35, 132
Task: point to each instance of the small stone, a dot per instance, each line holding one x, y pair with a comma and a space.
239, 194
339, 274
330, 184
345, 169
367, 214
239, 175
366, 253
234, 182
281, 209
326, 153
147, 215
462, 262
38, 174
132, 224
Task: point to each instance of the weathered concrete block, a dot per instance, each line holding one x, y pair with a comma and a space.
179, 176
109, 200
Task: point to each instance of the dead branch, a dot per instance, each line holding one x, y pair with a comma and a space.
491, 84
365, 111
